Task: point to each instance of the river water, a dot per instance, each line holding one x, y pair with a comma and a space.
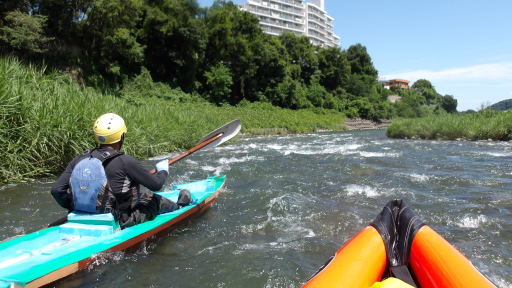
293, 200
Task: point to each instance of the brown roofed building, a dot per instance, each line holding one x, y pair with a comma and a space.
398, 82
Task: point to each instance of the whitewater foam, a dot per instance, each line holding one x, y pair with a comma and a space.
471, 221
365, 190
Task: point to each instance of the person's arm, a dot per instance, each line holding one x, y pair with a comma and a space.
60, 188
140, 175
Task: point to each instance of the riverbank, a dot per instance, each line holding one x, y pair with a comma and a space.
349, 124
364, 124
485, 125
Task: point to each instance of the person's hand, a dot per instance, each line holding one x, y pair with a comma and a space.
163, 165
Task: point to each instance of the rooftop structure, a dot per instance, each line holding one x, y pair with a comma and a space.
404, 84
296, 16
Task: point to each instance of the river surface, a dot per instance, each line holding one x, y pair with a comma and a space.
293, 200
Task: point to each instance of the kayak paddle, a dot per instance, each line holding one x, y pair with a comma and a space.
211, 140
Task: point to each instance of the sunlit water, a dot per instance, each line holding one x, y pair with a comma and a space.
293, 200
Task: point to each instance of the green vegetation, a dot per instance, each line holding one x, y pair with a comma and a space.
502, 105
47, 119
174, 71
218, 53
482, 125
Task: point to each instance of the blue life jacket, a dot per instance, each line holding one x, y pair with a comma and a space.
89, 185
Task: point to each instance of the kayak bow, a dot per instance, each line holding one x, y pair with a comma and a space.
398, 246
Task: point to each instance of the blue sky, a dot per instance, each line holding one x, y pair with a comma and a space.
464, 48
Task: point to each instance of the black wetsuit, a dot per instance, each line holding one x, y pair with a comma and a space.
125, 175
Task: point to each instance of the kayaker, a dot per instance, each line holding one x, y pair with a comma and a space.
124, 175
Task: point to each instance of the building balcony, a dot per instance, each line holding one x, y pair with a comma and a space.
317, 37
329, 41
316, 11
317, 22
278, 31
282, 24
257, 8
317, 30
276, 4
258, 11
271, 31
289, 2
291, 11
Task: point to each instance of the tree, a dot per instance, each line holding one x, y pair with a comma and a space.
360, 61
219, 81
364, 107
121, 54
449, 104
410, 104
363, 77
64, 16
291, 93
175, 41
301, 53
23, 34
318, 96
422, 84
334, 67
18, 5
270, 58
383, 110
232, 36
113, 49
360, 85
428, 91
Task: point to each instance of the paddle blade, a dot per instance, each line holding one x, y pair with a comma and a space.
228, 131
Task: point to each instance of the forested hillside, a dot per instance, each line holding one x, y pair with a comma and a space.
502, 105
181, 52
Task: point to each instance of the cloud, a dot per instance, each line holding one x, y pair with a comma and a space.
493, 71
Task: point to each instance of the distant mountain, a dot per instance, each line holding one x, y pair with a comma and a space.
502, 105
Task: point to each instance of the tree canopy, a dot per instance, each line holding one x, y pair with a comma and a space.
217, 53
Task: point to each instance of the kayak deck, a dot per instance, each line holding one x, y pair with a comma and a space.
47, 255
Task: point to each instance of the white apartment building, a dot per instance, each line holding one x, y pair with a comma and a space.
297, 16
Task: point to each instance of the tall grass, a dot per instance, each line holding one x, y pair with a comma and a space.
483, 125
46, 119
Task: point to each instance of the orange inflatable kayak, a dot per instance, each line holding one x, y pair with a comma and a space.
399, 246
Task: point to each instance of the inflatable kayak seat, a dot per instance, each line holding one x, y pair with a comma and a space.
85, 224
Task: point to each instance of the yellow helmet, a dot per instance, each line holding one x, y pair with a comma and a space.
109, 128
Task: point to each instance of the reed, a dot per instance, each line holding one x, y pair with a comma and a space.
46, 120
483, 125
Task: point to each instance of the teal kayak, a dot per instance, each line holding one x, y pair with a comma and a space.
47, 255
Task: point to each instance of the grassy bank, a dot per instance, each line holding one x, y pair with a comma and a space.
46, 119
483, 125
